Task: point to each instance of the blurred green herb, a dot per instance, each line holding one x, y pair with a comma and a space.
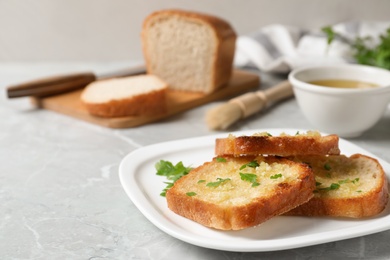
252, 178
276, 176
171, 172
217, 183
333, 186
378, 56
252, 164
220, 159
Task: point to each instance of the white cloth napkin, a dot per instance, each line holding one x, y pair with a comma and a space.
280, 48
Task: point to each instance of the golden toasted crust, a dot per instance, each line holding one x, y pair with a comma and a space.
367, 196
236, 204
147, 104
225, 35
277, 145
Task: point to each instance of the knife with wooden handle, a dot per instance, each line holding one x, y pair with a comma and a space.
55, 85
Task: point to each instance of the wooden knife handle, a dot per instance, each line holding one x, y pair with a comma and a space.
51, 85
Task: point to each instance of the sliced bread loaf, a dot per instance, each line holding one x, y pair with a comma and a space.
190, 51
128, 96
352, 187
310, 143
232, 193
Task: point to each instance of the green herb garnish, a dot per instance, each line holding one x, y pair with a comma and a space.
363, 53
217, 183
220, 159
191, 193
252, 164
348, 180
250, 177
333, 186
329, 33
276, 176
200, 181
327, 167
171, 172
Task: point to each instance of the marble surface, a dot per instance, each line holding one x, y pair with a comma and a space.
61, 197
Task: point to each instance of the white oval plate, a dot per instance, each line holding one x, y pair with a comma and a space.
140, 182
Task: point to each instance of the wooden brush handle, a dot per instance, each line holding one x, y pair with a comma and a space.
253, 102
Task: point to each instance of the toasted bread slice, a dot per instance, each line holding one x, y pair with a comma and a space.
310, 143
354, 187
232, 193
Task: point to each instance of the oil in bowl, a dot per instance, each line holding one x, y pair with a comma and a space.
342, 83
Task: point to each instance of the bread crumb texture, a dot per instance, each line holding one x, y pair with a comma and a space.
354, 187
353, 176
236, 193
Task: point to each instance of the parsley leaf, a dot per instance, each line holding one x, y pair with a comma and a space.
333, 186
363, 53
329, 33
276, 176
250, 177
220, 159
327, 167
217, 183
191, 193
252, 164
171, 172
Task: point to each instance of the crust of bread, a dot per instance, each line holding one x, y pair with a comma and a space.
366, 204
223, 58
277, 145
283, 197
147, 104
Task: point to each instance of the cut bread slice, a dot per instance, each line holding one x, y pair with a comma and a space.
233, 193
127, 96
310, 143
353, 187
190, 51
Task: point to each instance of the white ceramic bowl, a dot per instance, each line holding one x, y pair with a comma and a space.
342, 111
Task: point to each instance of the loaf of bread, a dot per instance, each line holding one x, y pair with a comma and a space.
354, 187
232, 193
190, 51
309, 143
141, 95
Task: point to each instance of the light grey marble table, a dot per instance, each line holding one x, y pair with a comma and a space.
60, 193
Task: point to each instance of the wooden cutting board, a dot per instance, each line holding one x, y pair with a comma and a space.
178, 101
